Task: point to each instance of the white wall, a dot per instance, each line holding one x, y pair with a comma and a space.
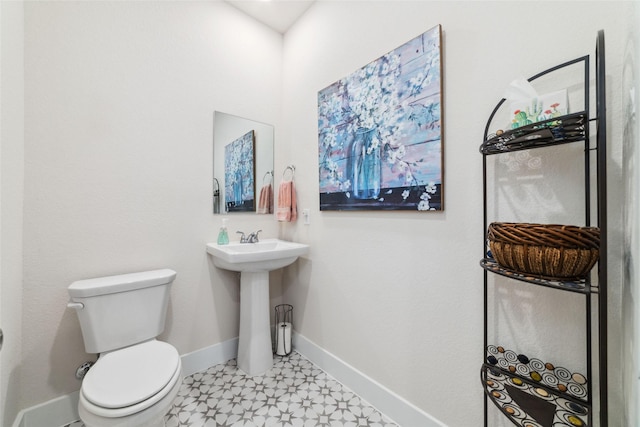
399, 294
11, 193
119, 105
630, 350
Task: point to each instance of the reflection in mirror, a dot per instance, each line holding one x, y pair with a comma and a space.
242, 165
239, 174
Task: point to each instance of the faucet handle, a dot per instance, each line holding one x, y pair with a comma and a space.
243, 238
253, 237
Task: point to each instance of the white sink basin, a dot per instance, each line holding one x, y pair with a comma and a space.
266, 255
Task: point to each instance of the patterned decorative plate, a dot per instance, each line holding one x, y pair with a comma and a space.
532, 393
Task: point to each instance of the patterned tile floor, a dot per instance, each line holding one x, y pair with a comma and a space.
294, 393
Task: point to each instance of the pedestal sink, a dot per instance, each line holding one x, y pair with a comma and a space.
254, 261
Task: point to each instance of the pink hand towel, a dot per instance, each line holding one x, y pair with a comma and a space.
287, 205
265, 202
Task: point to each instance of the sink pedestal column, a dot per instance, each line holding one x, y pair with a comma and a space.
255, 355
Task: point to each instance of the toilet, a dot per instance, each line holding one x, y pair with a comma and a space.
136, 377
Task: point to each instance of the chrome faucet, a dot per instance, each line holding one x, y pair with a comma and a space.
251, 238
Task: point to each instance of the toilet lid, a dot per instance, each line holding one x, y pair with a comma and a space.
130, 375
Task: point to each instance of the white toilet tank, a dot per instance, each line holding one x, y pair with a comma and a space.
119, 311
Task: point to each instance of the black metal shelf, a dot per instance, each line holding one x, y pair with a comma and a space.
527, 391
579, 285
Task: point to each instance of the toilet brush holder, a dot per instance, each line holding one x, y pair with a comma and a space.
283, 328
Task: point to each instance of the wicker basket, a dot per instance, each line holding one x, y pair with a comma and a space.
552, 251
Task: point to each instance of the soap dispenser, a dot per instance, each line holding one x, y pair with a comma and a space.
223, 236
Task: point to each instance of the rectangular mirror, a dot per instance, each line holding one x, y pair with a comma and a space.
242, 165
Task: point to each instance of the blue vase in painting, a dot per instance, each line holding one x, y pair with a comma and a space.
237, 188
365, 164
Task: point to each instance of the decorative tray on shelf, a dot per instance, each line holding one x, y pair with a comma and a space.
559, 130
532, 393
578, 285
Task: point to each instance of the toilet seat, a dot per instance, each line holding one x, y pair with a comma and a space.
129, 380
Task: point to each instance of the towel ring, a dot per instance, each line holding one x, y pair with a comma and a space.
269, 173
291, 168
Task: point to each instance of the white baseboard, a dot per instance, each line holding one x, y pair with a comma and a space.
386, 401
64, 410
56, 412
203, 359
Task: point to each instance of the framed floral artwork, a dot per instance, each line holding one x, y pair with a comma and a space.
239, 174
380, 132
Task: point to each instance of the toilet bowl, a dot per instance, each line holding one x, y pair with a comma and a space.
136, 377
132, 387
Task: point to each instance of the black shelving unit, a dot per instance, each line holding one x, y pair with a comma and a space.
531, 391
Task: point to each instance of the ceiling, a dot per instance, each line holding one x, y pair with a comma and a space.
277, 14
